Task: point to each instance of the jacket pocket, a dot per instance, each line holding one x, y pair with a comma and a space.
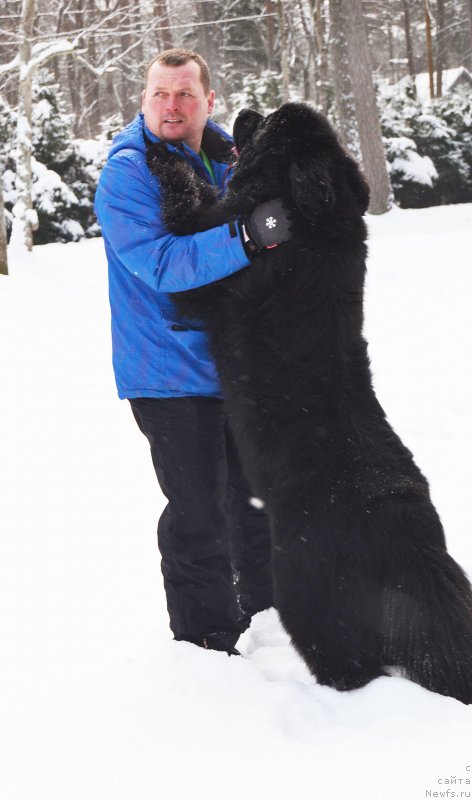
178, 326
189, 365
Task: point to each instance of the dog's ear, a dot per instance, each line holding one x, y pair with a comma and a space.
356, 183
311, 187
245, 125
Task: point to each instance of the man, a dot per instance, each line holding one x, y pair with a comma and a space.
209, 534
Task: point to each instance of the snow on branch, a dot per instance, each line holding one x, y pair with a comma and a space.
47, 50
13, 64
44, 51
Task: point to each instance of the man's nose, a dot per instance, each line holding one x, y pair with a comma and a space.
172, 102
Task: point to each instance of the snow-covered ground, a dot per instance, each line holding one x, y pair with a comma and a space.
96, 700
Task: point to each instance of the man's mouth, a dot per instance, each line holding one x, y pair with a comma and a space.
172, 121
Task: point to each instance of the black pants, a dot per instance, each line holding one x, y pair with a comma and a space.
215, 545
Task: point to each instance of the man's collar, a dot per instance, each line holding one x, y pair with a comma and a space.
215, 142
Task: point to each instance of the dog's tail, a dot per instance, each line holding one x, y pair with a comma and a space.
427, 623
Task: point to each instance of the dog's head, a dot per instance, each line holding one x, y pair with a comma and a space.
294, 153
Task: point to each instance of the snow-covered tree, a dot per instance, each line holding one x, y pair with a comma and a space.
3, 237
34, 52
260, 52
6, 134
64, 180
24, 217
429, 148
64, 171
262, 93
52, 125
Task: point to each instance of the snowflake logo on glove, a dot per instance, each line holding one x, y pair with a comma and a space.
267, 226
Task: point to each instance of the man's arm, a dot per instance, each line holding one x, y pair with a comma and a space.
127, 207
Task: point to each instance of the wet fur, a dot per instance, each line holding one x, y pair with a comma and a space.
362, 578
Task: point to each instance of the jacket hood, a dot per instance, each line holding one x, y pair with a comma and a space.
215, 141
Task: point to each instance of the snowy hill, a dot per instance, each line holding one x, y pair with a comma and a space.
96, 700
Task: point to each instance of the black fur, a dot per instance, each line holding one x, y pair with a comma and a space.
363, 581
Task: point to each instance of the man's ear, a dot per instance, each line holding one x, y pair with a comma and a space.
245, 125
143, 97
211, 102
311, 187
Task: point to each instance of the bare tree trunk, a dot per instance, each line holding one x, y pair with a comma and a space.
74, 76
283, 35
368, 122
441, 47
309, 31
69, 22
469, 13
270, 27
409, 45
391, 53
129, 102
345, 106
322, 64
207, 44
165, 30
3, 235
90, 82
429, 47
59, 23
23, 216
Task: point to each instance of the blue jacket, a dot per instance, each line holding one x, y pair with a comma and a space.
152, 355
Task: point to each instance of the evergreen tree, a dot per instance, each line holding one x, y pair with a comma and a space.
7, 173
261, 93
52, 125
64, 171
429, 148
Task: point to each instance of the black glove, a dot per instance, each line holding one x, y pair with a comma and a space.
267, 226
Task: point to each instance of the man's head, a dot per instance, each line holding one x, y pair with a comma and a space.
177, 99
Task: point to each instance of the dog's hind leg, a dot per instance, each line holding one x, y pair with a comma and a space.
329, 604
345, 674
338, 651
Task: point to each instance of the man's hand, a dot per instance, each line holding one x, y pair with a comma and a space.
267, 226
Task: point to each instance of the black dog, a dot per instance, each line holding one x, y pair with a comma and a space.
362, 578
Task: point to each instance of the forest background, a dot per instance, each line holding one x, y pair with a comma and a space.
394, 77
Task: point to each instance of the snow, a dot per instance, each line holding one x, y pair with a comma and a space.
4, 68
416, 168
18, 235
97, 701
409, 163
43, 110
72, 229
31, 215
23, 130
93, 150
44, 51
46, 184
9, 192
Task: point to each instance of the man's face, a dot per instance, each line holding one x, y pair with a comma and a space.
174, 103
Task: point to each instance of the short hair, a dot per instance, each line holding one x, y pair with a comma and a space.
176, 57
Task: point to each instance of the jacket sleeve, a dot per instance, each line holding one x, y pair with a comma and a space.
127, 205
